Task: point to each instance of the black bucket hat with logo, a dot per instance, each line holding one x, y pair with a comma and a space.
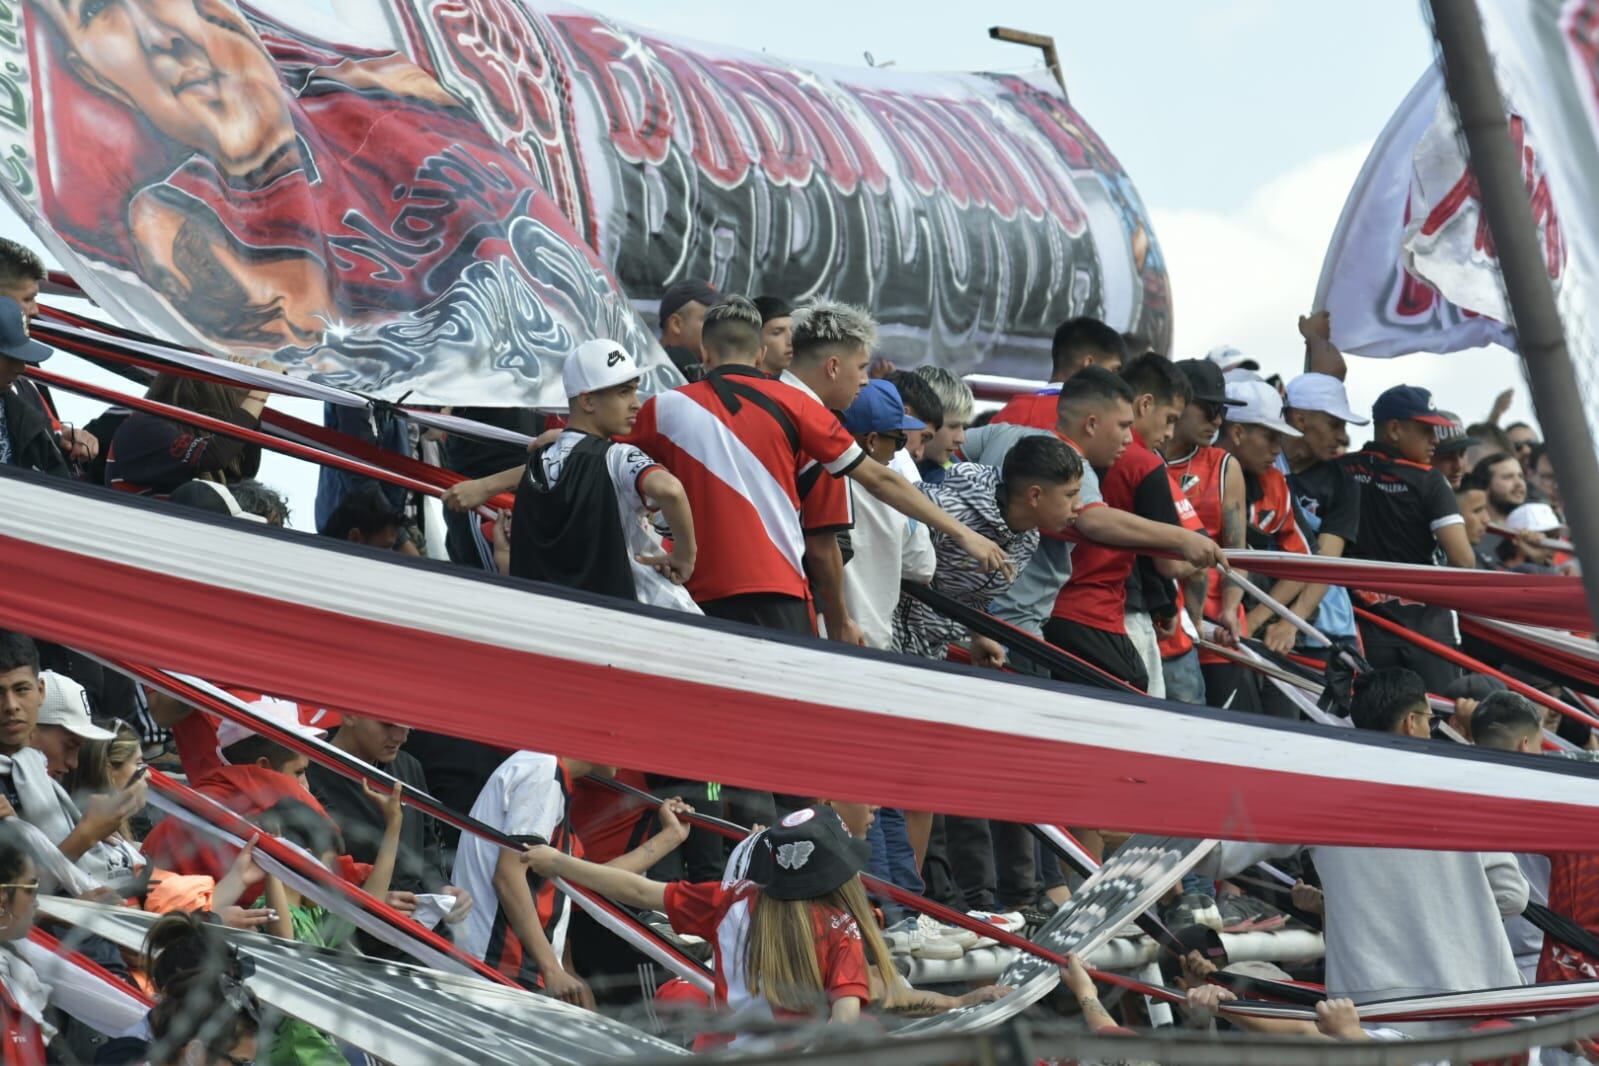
807, 854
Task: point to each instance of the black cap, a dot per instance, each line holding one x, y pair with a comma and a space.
772, 307
807, 854
1205, 382
1453, 437
689, 290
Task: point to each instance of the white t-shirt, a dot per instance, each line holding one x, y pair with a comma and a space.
523, 797
887, 546
627, 466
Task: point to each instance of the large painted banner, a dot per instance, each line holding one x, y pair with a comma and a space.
443, 197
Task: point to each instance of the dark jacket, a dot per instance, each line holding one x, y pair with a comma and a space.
33, 441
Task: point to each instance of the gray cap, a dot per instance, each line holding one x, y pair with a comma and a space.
14, 338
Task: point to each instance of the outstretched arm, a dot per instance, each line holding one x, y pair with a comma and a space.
904, 497
1116, 528
609, 881
673, 833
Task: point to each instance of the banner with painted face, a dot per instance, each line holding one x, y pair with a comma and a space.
213, 175
443, 197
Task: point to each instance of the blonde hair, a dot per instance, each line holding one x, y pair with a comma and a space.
826, 322
780, 960
96, 759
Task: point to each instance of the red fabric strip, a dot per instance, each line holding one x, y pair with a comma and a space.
88, 965
217, 425
1461, 659
1556, 602
610, 715
436, 476
1562, 660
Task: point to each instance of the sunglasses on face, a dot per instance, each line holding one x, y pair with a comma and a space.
899, 439
1213, 409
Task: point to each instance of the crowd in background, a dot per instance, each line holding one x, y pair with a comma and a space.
797, 484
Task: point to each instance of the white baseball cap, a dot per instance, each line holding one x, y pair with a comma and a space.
1227, 357
597, 364
1324, 393
281, 713
1533, 518
1258, 405
66, 704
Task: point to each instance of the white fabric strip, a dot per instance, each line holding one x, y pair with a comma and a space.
511, 617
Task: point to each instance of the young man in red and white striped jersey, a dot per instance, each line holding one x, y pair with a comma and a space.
738, 441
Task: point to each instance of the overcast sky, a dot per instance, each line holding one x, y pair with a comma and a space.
1242, 124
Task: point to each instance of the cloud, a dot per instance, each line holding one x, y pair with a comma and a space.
1244, 277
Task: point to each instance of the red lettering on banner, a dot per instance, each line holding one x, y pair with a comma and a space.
714, 139
732, 116
817, 131
494, 44
1465, 192
1416, 298
1580, 24
639, 118
919, 168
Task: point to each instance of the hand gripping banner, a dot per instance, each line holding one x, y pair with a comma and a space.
524, 665
443, 197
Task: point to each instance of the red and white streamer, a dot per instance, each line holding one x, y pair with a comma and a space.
1531, 599
620, 684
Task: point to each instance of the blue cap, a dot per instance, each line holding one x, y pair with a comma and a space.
14, 339
879, 409
1410, 402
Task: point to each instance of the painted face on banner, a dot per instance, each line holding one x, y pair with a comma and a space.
192, 68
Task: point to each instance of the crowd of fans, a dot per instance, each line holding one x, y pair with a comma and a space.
793, 484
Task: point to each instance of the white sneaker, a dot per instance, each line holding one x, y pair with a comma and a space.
933, 929
917, 937
903, 936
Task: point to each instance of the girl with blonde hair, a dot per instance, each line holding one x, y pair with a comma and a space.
793, 939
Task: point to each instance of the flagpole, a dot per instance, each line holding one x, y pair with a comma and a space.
1540, 338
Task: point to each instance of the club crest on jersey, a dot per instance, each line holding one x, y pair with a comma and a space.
1190, 482
1263, 518
793, 856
